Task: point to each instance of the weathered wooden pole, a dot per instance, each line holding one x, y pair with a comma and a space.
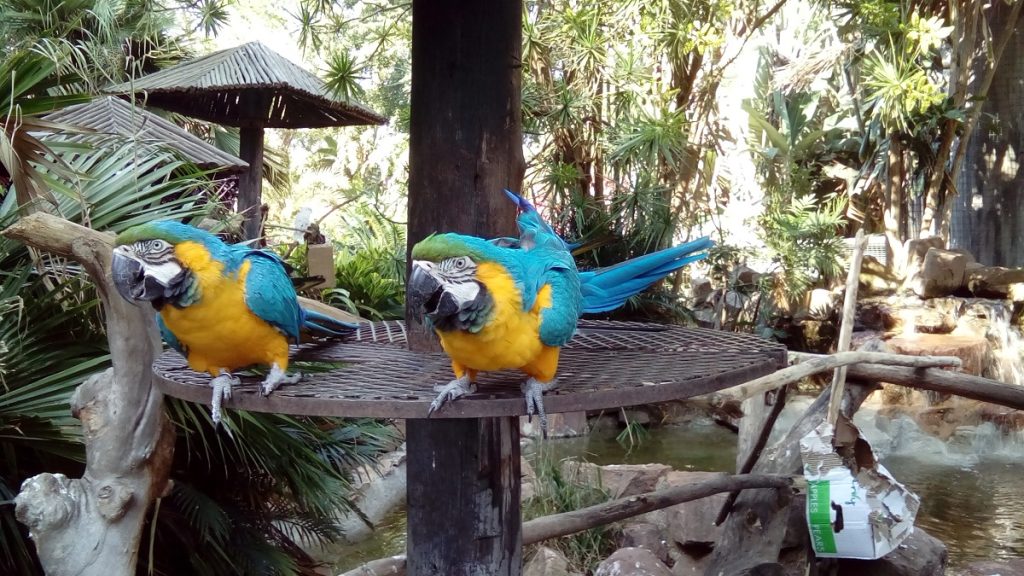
250, 183
465, 146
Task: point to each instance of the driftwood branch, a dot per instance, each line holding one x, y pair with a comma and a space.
91, 526
958, 383
817, 364
557, 525
846, 326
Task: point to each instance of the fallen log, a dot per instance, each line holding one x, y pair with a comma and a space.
556, 525
936, 380
91, 526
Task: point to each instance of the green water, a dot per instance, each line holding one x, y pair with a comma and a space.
977, 510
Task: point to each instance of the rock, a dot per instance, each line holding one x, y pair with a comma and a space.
932, 321
635, 416
560, 425
996, 282
915, 251
744, 276
950, 306
378, 489
603, 423
878, 315
546, 562
645, 535
686, 564
735, 302
692, 524
821, 304
632, 562
817, 336
919, 555
528, 484
1012, 567
618, 479
941, 273
875, 279
973, 351
701, 289
705, 316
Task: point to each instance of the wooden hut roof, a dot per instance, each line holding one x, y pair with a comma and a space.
110, 115
248, 85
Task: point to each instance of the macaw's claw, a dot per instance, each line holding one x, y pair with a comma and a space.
221, 391
533, 392
277, 377
450, 391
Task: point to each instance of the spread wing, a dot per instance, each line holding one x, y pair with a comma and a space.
269, 293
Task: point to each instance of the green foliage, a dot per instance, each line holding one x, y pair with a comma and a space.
805, 238
558, 490
370, 268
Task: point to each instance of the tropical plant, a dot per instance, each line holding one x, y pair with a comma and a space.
560, 489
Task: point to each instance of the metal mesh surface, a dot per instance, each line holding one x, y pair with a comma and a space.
606, 365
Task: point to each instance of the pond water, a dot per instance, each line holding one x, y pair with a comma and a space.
973, 501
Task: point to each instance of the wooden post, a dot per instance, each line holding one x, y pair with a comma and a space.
463, 494
465, 145
250, 183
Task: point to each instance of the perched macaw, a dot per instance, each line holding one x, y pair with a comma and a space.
512, 303
222, 306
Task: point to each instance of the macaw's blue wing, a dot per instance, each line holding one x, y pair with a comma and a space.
170, 338
269, 293
608, 288
558, 322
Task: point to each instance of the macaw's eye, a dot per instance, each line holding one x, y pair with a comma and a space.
461, 263
159, 245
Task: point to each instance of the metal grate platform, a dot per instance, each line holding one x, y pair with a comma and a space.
606, 365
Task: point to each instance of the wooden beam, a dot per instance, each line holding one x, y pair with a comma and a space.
945, 381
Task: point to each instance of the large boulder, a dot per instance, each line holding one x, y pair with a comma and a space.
919, 555
560, 425
941, 273
632, 562
701, 289
915, 252
875, 279
620, 480
645, 535
547, 562
996, 282
692, 524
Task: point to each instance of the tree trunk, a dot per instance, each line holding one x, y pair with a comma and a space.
91, 526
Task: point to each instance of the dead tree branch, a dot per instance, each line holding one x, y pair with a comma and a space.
91, 526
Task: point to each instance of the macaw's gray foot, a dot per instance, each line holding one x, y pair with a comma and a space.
277, 377
533, 392
221, 391
451, 391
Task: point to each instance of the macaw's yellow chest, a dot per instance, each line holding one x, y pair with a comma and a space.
219, 331
511, 338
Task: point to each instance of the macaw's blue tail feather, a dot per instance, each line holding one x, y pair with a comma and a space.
531, 223
608, 288
325, 325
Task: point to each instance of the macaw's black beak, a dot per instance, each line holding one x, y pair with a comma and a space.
424, 291
129, 276
135, 285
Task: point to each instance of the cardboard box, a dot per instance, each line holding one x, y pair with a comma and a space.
320, 262
855, 508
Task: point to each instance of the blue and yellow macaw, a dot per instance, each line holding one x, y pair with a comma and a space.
513, 303
222, 306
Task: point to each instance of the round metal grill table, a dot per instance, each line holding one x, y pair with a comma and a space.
463, 464
605, 365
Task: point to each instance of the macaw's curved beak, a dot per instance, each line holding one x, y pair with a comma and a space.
128, 275
424, 290
133, 282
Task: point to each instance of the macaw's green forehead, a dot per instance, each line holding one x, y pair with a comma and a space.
169, 231
438, 247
